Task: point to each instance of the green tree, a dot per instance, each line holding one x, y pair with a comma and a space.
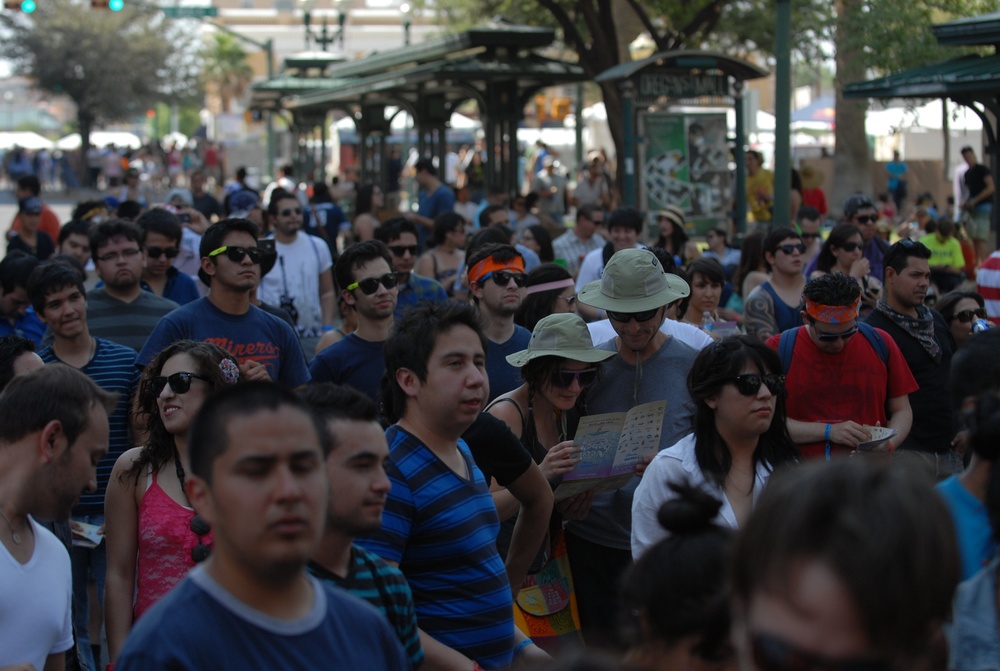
225, 71
113, 65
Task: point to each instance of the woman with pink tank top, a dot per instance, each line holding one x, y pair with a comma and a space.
153, 535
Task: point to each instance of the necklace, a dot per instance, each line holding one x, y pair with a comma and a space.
15, 536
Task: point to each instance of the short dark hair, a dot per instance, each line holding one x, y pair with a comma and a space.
587, 212
497, 234
15, 269
975, 368
55, 392
159, 220
217, 232
277, 196
393, 229
774, 239
425, 165
445, 223
338, 402
11, 348
74, 227
484, 216
412, 341
856, 203
807, 212
128, 209
208, 436
49, 278
104, 232
502, 253
30, 183
710, 269
357, 255
625, 217
898, 256
832, 289
857, 517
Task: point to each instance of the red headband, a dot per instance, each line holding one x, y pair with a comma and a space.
833, 314
491, 265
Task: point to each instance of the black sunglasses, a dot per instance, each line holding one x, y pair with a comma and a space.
236, 254
179, 382
834, 337
157, 252
564, 378
626, 317
370, 285
850, 246
774, 654
866, 218
966, 316
503, 277
789, 249
749, 384
400, 250
200, 527
810, 236
290, 211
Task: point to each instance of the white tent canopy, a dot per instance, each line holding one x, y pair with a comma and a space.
101, 139
928, 116
25, 140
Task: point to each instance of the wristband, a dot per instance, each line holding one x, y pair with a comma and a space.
826, 437
892, 447
325, 328
521, 646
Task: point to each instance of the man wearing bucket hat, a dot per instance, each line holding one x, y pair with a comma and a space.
649, 366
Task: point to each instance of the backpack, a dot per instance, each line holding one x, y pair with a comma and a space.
786, 344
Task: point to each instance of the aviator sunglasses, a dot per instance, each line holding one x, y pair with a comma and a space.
564, 378
236, 254
179, 382
370, 285
749, 384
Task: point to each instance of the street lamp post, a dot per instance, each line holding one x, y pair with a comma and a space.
324, 38
407, 11
307, 7
341, 6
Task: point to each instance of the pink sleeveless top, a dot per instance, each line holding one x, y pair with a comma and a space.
165, 544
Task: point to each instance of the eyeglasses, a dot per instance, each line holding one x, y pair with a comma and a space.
180, 383
401, 250
236, 254
834, 337
790, 249
749, 384
157, 252
370, 285
866, 218
850, 246
290, 211
774, 654
626, 317
200, 552
124, 254
503, 277
584, 377
966, 316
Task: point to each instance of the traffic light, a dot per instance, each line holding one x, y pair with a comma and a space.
26, 6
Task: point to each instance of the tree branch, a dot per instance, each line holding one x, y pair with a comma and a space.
570, 32
665, 40
704, 21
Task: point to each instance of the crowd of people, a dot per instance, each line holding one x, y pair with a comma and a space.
245, 430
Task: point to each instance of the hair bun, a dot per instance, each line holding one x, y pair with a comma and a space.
691, 512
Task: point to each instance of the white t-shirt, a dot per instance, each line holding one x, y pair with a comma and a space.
602, 331
36, 601
296, 275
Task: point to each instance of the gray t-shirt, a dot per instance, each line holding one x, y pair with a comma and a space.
664, 376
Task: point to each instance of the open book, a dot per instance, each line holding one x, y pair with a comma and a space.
610, 447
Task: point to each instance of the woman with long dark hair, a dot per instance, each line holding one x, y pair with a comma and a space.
842, 252
550, 290
153, 535
739, 437
444, 259
538, 240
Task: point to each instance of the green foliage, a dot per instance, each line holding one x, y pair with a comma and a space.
225, 70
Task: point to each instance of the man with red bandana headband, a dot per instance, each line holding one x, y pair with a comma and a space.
842, 375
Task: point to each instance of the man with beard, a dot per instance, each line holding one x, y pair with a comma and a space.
53, 432
400, 236
120, 310
367, 283
496, 283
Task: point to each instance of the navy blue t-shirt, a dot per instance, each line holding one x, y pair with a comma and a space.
503, 376
351, 361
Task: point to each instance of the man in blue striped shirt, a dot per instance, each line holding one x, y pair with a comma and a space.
57, 293
358, 489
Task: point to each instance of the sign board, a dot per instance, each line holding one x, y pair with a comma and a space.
189, 12
679, 84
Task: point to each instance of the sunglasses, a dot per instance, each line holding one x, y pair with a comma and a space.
564, 378
236, 254
810, 236
626, 317
503, 277
866, 218
569, 299
834, 337
401, 250
850, 246
157, 252
774, 654
200, 527
290, 211
370, 285
179, 382
749, 384
790, 249
966, 316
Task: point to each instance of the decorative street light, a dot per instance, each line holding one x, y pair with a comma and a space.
324, 38
407, 10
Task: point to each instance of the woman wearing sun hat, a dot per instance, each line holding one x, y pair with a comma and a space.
557, 367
